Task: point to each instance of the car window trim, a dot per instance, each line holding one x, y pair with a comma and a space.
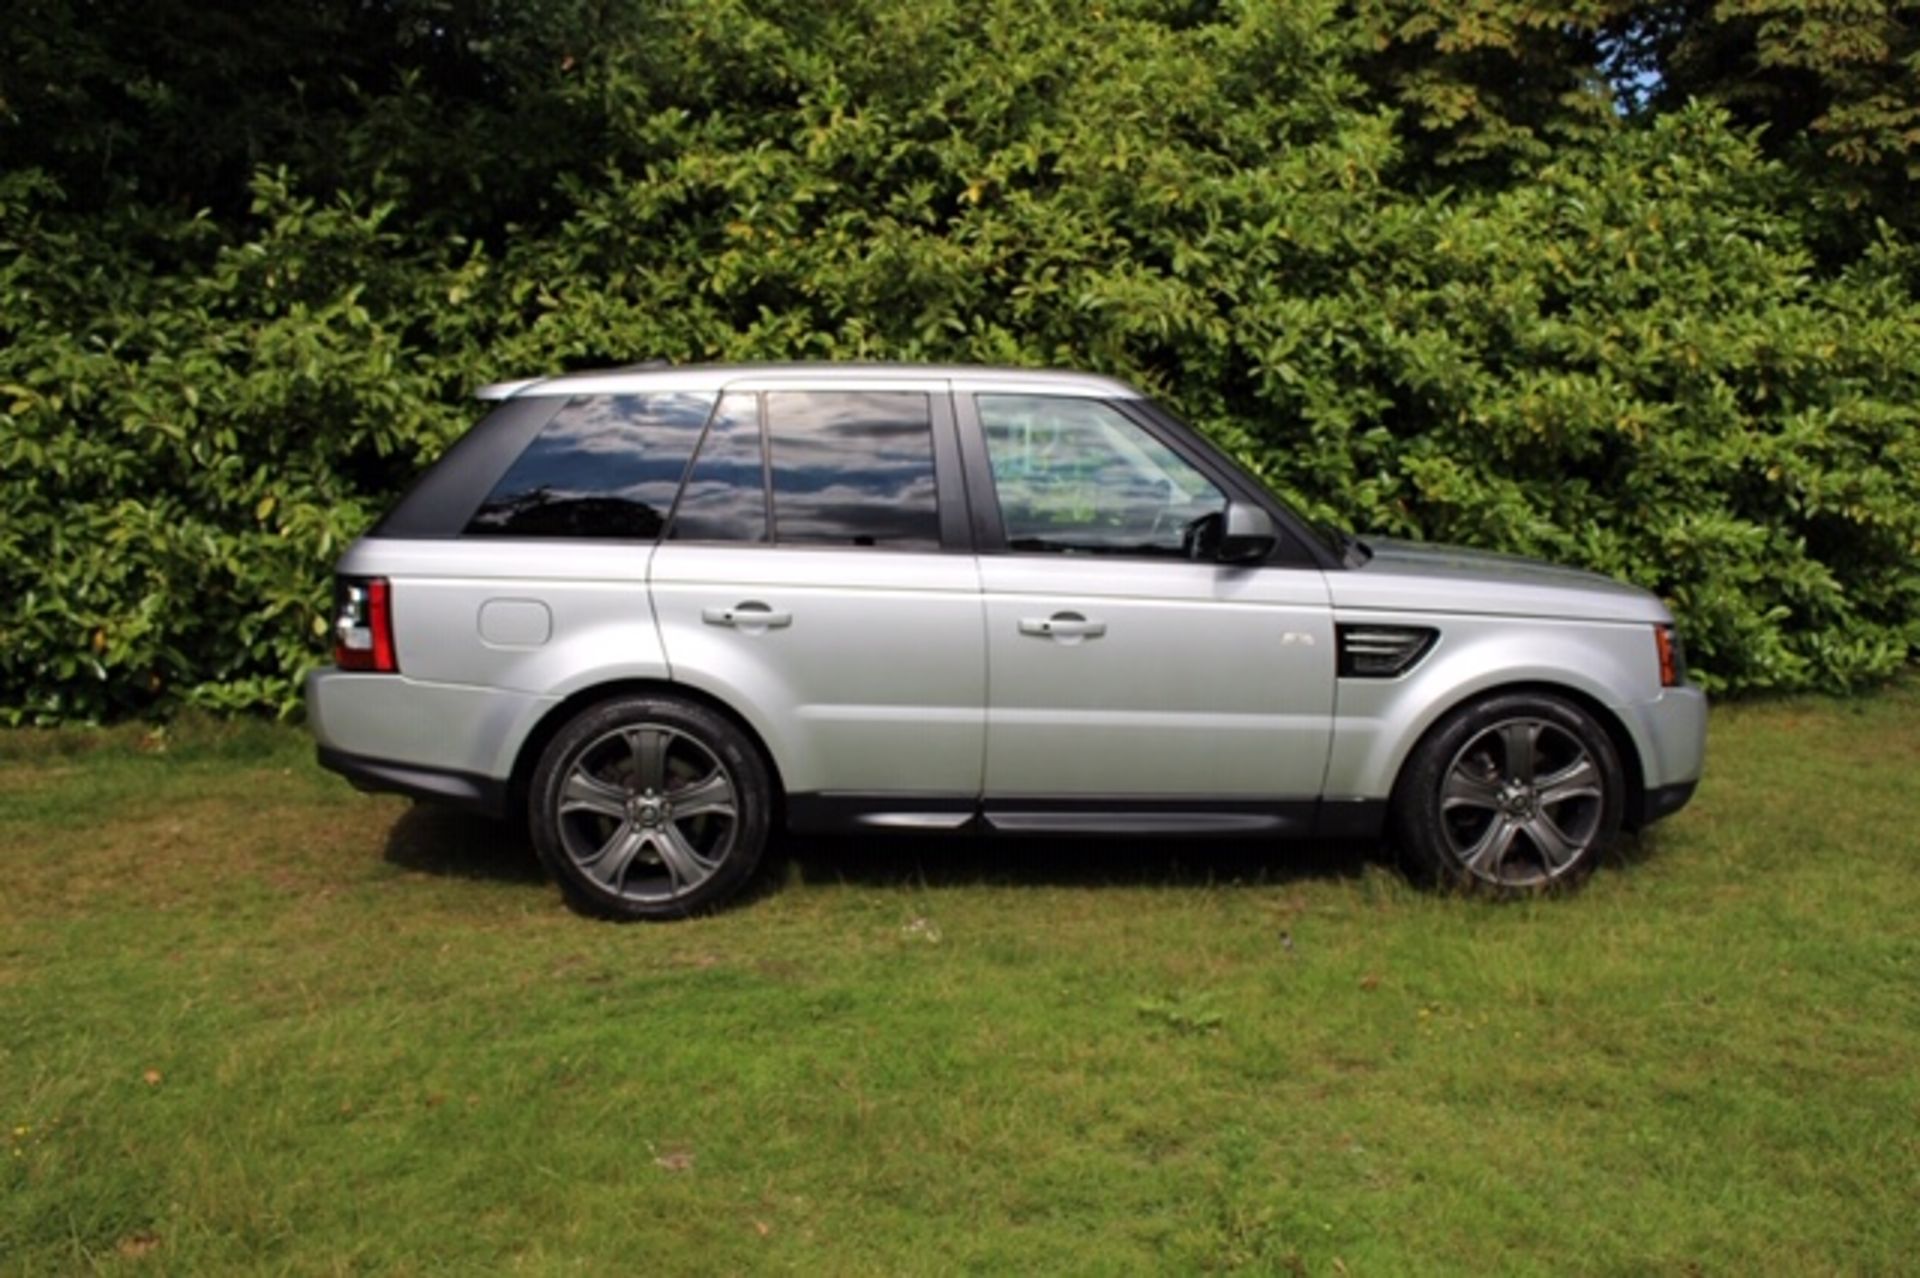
949, 477
989, 528
766, 467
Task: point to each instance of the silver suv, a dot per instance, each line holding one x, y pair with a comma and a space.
664, 610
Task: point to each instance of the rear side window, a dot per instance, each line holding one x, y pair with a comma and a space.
853, 468
605, 466
726, 496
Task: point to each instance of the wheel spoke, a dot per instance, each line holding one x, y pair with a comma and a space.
1489, 852
649, 749
685, 867
1556, 849
609, 864
584, 792
711, 794
1521, 740
1578, 780
1466, 790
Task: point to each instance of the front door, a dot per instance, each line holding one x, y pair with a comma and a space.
1121, 667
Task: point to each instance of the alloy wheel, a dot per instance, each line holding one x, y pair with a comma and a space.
1521, 803
648, 812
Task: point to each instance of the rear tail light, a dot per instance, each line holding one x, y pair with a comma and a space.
1382, 652
1673, 659
363, 625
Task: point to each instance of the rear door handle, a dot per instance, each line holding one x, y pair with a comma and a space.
751, 615
1063, 625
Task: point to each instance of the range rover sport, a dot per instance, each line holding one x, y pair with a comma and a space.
663, 611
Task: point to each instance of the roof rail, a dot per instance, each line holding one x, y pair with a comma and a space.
647, 365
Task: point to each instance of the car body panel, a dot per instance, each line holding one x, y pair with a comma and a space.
1411, 576
710, 377
1670, 731
1238, 701
444, 727
1377, 722
600, 623
874, 681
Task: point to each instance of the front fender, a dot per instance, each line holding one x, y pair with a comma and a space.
1377, 722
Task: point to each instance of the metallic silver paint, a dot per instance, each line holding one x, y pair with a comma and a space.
1404, 575
1192, 689
515, 623
963, 378
878, 684
922, 673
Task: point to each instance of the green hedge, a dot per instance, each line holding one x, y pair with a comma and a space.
1626, 358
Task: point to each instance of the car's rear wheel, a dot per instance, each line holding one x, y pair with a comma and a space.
1516, 794
650, 807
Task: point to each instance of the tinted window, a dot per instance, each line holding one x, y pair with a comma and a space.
605, 466
1079, 475
726, 497
853, 469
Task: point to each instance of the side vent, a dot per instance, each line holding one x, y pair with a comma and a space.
1382, 652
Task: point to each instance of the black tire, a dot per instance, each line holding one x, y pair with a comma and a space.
1478, 809
602, 808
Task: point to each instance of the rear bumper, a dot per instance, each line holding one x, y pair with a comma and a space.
446, 742
456, 789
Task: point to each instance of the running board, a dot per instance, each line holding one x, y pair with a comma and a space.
1118, 816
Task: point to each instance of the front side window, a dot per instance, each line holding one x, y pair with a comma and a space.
1079, 476
853, 468
605, 466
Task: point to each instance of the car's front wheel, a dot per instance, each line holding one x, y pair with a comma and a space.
650, 807
1515, 794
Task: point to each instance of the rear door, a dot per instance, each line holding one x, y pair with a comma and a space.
1125, 673
817, 574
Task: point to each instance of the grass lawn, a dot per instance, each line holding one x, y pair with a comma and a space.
250, 1019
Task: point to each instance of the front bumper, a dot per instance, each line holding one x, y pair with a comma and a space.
1671, 734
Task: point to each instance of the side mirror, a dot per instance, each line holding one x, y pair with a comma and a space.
1248, 535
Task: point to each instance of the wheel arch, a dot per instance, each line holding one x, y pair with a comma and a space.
1628, 750
558, 715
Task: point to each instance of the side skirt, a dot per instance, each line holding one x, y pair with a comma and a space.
1187, 816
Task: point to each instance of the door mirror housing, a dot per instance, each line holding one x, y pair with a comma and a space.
1247, 534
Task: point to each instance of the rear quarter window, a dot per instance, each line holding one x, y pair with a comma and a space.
605, 466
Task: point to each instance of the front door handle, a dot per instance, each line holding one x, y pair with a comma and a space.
751, 615
1068, 626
